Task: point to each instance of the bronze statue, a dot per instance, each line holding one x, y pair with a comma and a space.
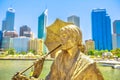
70, 63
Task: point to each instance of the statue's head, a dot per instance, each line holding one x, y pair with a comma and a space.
70, 36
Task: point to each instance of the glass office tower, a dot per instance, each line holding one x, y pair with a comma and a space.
101, 29
74, 19
42, 21
8, 23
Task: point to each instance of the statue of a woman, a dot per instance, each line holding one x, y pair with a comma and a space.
71, 63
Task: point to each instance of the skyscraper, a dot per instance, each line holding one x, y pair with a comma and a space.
1, 36
74, 19
116, 32
8, 23
42, 21
101, 29
24, 29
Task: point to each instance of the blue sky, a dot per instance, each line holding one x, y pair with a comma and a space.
27, 12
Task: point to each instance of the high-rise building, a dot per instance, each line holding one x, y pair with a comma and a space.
8, 23
24, 29
42, 22
116, 31
114, 41
1, 36
74, 19
101, 29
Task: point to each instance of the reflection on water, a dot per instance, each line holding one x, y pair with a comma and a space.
9, 67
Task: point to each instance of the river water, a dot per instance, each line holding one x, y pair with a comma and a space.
9, 67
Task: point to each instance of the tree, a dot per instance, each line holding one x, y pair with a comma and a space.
32, 51
23, 53
91, 52
11, 51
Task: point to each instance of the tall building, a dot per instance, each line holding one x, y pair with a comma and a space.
101, 29
114, 41
74, 19
24, 29
1, 36
116, 32
8, 23
42, 22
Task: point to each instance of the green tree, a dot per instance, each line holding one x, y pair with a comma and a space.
32, 51
91, 52
11, 51
23, 52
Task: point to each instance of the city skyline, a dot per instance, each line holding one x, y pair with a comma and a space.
28, 13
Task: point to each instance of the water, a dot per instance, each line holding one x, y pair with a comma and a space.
9, 67
109, 73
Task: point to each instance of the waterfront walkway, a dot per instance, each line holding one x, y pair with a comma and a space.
112, 62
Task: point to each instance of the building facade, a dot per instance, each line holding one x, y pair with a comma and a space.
6, 43
10, 34
36, 44
1, 36
8, 23
101, 29
74, 19
114, 41
116, 31
42, 22
90, 45
20, 44
28, 34
24, 29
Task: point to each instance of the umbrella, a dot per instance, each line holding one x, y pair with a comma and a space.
52, 37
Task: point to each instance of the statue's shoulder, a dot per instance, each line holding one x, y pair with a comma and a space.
86, 58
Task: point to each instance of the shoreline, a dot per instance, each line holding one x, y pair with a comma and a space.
18, 58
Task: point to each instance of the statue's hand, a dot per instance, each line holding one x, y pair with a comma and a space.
38, 65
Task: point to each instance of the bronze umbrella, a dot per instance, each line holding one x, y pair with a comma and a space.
52, 36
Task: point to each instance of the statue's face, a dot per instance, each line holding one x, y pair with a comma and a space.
67, 40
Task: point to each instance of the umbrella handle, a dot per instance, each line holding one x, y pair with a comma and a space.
43, 57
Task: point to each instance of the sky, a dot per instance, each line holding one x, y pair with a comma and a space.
28, 11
